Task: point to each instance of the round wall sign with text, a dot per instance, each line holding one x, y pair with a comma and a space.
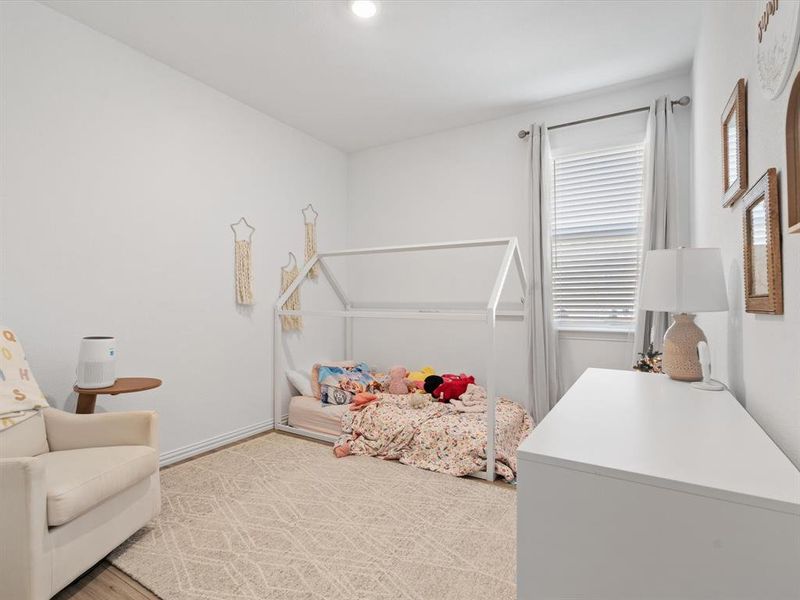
777, 33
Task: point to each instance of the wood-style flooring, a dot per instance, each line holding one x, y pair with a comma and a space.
105, 582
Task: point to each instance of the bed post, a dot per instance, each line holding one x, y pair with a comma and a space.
491, 362
526, 323
348, 335
277, 348
490, 393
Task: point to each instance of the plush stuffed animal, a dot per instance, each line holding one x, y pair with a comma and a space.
432, 382
448, 386
418, 400
397, 382
361, 399
418, 377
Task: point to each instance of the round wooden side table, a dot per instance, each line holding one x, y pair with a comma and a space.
123, 385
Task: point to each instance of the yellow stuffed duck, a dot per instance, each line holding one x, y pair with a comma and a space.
417, 378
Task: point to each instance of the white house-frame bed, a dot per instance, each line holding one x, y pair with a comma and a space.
488, 313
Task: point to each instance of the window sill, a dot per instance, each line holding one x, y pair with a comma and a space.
595, 333
597, 328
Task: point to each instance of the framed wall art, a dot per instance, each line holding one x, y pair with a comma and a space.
763, 275
734, 145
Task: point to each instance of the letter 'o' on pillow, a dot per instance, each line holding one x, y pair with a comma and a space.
301, 382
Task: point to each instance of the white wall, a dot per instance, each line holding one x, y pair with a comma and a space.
119, 179
472, 182
756, 355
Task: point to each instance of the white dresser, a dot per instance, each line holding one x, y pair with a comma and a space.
637, 487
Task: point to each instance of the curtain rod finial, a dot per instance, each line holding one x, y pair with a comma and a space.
682, 101
523, 134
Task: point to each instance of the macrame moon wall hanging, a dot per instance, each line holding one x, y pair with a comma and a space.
288, 274
310, 218
243, 273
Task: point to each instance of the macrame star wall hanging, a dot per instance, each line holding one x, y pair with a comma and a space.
242, 257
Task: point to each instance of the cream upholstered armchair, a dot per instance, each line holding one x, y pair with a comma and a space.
72, 488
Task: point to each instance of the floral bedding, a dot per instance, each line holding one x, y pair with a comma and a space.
436, 437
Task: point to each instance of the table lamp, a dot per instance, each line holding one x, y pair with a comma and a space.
683, 281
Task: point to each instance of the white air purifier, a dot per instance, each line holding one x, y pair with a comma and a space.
97, 360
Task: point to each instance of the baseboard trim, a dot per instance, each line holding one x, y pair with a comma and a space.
173, 456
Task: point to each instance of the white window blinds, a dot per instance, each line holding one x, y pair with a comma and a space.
596, 237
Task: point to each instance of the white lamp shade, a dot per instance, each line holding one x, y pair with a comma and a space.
684, 280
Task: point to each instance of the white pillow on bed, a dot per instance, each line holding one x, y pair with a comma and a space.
301, 382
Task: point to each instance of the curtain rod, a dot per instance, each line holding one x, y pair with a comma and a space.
683, 101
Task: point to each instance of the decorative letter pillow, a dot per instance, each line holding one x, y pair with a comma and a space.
20, 395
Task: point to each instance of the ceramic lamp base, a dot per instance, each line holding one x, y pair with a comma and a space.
679, 359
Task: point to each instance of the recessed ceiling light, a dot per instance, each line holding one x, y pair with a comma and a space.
364, 9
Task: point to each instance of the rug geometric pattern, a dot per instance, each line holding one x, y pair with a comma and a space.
278, 517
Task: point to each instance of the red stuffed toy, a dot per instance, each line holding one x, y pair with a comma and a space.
451, 386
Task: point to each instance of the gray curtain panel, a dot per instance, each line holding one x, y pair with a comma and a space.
543, 338
659, 197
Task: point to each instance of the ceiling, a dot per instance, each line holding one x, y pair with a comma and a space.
415, 68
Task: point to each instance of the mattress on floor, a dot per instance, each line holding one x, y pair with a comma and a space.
309, 413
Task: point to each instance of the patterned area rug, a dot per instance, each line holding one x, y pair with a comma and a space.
279, 517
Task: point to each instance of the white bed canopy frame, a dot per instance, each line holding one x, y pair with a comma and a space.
490, 314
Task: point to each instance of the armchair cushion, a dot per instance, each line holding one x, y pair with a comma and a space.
78, 480
24, 439
67, 431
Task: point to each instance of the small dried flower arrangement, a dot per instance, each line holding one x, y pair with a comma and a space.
650, 361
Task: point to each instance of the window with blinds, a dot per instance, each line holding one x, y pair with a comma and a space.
596, 237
